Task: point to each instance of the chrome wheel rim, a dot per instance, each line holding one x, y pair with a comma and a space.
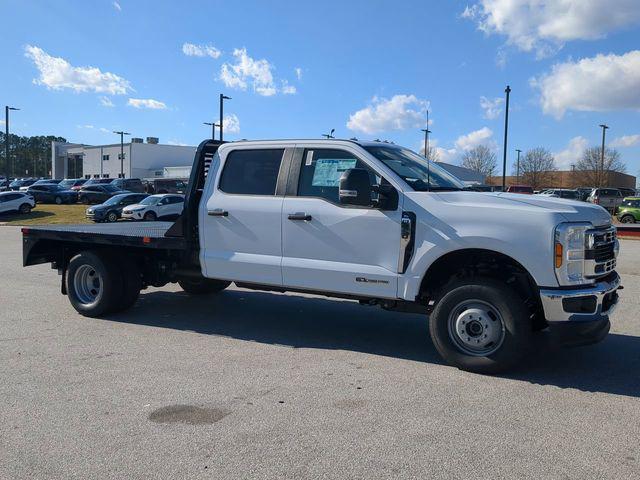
87, 284
112, 217
476, 328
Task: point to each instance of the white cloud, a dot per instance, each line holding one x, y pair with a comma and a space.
397, 113
247, 71
298, 71
231, 123
106, 102
176, 143
89, 127
625, 141
288, 89
475, 138
492, 108
600, 83
147, 103
56, 74
446, 155
105, 130
570, 155
192, 50
544, 26
117, 6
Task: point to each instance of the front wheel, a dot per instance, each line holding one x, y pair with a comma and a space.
150, 217
25, 208
201, 286
481, 325
112, 217
628, 219
58, 200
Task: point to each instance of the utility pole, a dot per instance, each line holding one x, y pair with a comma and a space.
8, 166
222, 99
426, 150
122, 134
604, 129
504, 149
330, 134
213, 128
518, 166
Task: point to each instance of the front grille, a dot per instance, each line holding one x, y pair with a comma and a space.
601, 257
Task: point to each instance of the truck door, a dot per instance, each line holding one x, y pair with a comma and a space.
332, 247
242, 237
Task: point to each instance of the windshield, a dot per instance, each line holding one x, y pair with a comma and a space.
150, 200
116, 199
67, 183
421, 175
111, 188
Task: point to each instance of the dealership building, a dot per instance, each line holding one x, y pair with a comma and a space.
139, 159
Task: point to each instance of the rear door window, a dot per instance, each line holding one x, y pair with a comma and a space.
251, 172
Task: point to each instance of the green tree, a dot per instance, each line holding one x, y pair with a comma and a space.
28, 156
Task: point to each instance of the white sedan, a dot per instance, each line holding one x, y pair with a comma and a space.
154, 207
16, 202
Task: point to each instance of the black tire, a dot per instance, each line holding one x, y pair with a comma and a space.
628, 219
131, 284
150, 217
111, 217
25, 208
498, 299
58, 200
202, 286
108, 287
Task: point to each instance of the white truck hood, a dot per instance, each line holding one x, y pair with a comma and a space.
571, 210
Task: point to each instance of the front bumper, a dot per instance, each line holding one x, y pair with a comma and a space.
581, 316
135, 215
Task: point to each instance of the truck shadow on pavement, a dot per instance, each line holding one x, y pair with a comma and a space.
299, 322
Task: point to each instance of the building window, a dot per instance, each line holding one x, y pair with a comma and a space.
105, 158
87, 177
105, 175
122, 156
96, 176
121, 175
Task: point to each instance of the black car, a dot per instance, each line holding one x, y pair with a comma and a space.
129, 184
47, 181
21, 182
98, 181
73, 183
52, 193
111, 210
98, 193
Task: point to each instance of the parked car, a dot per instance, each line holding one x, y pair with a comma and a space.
520, 189
21, 182
155, 207
98, 181
111, 210
129, 184
629, 210
4, 185
52, 193
584, 193
607, 198
47, 181
562, 193
165, 185
16, 202
97, 193
369, 221
73, 183
628, 192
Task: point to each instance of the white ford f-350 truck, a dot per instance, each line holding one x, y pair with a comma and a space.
368, 221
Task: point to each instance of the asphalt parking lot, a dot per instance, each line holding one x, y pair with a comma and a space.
256, 385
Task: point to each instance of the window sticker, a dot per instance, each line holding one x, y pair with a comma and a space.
328, 171
309, 160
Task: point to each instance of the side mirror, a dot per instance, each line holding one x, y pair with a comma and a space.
355, 187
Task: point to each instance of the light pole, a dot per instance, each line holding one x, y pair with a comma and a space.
122, 134
330, 134
213, 128
504, 149
604, 129
8, 166
518, 166
222, 99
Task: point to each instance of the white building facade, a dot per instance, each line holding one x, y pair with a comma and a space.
131, 160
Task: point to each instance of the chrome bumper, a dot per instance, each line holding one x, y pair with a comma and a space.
603, 291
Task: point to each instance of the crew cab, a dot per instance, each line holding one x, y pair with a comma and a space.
367, 221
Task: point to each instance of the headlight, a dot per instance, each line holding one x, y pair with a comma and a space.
570, 244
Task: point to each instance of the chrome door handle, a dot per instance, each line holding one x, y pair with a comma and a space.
218, 212
299, 216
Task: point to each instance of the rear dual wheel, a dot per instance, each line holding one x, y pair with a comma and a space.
98, 283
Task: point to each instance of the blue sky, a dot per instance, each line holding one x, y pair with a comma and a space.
369, 69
